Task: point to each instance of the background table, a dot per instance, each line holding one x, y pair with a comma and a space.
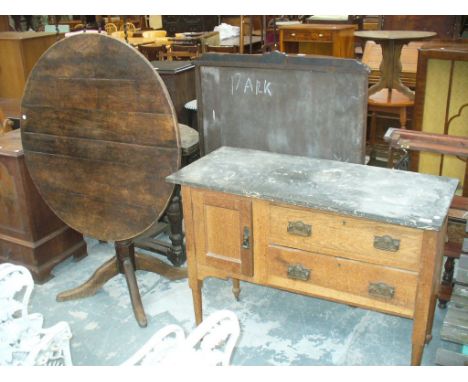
392, 43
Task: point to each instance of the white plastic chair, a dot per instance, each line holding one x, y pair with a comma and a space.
23, 340
210, 344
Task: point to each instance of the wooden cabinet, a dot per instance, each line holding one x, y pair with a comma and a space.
30, 233
270, 219
19, 51
179, 78
322, 39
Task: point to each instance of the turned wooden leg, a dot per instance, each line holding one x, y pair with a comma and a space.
176, 253
125, 254
197, 300
403, 117
447, 279
103, 274
236, 288
373, 128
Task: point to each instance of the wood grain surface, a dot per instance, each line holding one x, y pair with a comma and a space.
100, 135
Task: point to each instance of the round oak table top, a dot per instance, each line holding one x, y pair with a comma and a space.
100, 135
382, 35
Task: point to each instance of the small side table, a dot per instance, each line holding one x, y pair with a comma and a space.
392, 42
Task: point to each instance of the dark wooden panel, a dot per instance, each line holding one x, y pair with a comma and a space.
309, 106
446, 26
127, 155
116, 126
100, 136
117, 184
96, 94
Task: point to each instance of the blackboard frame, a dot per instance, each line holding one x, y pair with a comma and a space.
284, 62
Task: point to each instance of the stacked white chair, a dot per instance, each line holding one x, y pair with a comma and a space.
23, 340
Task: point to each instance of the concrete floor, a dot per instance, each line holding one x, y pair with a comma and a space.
277, 327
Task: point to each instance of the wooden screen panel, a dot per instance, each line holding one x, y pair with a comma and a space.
100, 135
443, 109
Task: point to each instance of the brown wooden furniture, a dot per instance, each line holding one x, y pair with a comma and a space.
446, 26
19, 51
179, 78
110, 28
390, 69
180, 53
372, 56
151, 51
272, 221
418, 141
441, 105
385, 101
288, 104
99, 156
190, 23
222, 48
323, 39
30, 233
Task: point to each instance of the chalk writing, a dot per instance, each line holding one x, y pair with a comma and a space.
250, 86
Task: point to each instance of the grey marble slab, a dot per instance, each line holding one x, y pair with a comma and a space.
392, 196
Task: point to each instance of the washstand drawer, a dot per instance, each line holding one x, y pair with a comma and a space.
341, 279
297, 35
344, 236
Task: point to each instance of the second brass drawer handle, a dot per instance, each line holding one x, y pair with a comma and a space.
299, 228
381, 290
298, 272
386, 243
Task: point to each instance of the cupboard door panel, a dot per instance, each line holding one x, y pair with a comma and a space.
224, 237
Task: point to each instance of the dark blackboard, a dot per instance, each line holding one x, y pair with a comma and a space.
300, 105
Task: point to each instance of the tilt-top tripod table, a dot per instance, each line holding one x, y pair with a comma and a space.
100, 134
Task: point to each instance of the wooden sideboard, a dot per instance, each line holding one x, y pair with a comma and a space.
271, 219
322, 39
30, 233
19, 51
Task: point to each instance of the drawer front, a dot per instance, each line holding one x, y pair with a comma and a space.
343, 280
297, 35
333, 234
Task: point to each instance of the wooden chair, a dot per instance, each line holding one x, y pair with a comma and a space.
180, 53
222, 48
152, 51
130, 27
110, 28
392, 102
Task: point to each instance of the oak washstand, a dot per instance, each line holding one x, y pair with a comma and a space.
364, 236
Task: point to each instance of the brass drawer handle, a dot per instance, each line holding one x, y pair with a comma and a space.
293, 34
320, 34
386, 243
299, 228
298, 272
381, 290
